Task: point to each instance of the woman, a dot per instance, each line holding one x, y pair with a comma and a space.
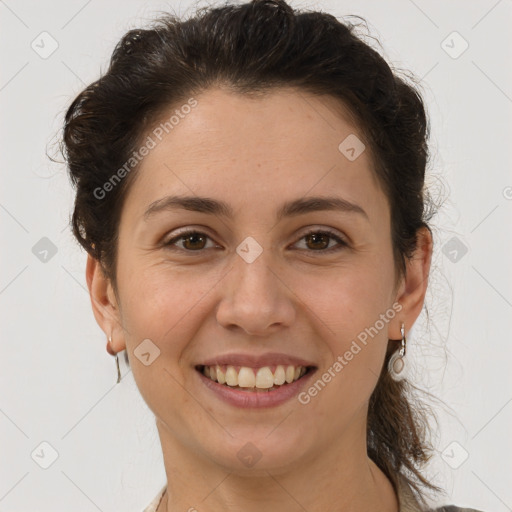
250, 191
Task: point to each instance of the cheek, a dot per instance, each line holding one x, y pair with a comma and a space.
164, 305
346, 308
346, 300
167, 308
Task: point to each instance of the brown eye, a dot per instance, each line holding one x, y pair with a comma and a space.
319, 241
194, 241
191, 241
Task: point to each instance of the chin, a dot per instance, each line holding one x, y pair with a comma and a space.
256, 454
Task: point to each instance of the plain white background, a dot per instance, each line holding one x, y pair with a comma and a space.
57, 382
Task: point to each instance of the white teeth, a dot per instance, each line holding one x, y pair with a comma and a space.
261, 378
231, 376
290, 373
246, 378
221, 378
264, 378
279, 376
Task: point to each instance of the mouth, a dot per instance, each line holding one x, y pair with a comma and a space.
263, 379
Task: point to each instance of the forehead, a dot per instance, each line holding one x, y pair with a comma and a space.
283, 143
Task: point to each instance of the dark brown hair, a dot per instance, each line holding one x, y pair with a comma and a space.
251, 49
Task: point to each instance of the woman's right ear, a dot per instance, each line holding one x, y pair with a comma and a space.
103, 301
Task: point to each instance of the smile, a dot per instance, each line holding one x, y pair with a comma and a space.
265, 378
246, 387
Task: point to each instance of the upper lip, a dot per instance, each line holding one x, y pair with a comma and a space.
256, 361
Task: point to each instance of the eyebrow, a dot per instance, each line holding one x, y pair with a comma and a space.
216, 207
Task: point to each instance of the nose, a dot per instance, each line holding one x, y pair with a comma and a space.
256, 298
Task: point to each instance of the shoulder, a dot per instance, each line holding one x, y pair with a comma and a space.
409, 503
156, 500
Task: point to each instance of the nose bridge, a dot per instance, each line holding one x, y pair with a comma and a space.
255, 277
254, 298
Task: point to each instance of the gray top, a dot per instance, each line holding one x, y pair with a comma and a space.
407, 502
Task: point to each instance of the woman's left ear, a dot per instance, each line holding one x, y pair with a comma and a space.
411, 293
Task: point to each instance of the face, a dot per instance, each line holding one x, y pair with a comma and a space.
271, 273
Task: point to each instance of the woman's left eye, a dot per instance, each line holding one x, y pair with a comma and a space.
194, 241
320, 237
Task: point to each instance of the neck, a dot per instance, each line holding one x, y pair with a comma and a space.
343, 480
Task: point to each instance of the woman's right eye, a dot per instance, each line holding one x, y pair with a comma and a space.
194, 239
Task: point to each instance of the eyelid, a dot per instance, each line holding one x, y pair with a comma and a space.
329, 231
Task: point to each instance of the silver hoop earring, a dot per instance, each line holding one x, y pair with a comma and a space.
117, 362
396, 365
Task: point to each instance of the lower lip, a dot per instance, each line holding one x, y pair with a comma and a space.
256, 399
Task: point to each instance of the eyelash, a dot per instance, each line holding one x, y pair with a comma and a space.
327, 232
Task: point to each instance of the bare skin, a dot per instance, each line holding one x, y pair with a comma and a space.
198, 298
